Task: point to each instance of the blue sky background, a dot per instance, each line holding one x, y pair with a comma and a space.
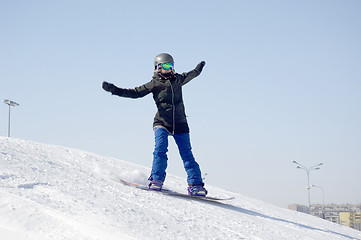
282, 82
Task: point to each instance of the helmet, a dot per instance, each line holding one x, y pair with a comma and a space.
163, 58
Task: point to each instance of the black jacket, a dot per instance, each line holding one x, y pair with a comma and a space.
167, 94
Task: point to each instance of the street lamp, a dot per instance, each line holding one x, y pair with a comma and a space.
323, 201
11, 104
308, 170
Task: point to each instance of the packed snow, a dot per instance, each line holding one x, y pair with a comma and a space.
53, 192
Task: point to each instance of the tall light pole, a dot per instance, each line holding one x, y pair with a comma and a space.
323, 201
308, 170
11, 104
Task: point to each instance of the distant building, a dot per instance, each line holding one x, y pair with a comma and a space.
351, 219
299, 208
345, 218
345, 214
331, 212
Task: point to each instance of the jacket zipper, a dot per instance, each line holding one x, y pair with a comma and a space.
173, 105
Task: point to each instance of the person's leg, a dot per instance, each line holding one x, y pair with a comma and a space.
194, 176
160, 155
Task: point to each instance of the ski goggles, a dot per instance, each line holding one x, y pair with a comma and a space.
166, 66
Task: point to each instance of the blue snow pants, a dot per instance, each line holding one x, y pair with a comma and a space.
160, 156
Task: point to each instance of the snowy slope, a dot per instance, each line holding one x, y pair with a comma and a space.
51, 192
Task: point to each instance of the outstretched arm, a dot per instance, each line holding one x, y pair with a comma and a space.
137, 92
194, 73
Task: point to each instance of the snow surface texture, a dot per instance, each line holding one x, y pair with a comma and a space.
52, 192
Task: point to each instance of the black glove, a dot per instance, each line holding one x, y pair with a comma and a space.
200, 66
108, 87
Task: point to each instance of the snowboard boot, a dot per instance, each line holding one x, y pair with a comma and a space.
155, 185
197, 190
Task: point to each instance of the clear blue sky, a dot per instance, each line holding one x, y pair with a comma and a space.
282, 82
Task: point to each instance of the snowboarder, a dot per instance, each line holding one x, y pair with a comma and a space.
170, 119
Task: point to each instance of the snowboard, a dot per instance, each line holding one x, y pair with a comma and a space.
174, 193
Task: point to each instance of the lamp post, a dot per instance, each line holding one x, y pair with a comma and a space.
11, 104
323, 201
308, 170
